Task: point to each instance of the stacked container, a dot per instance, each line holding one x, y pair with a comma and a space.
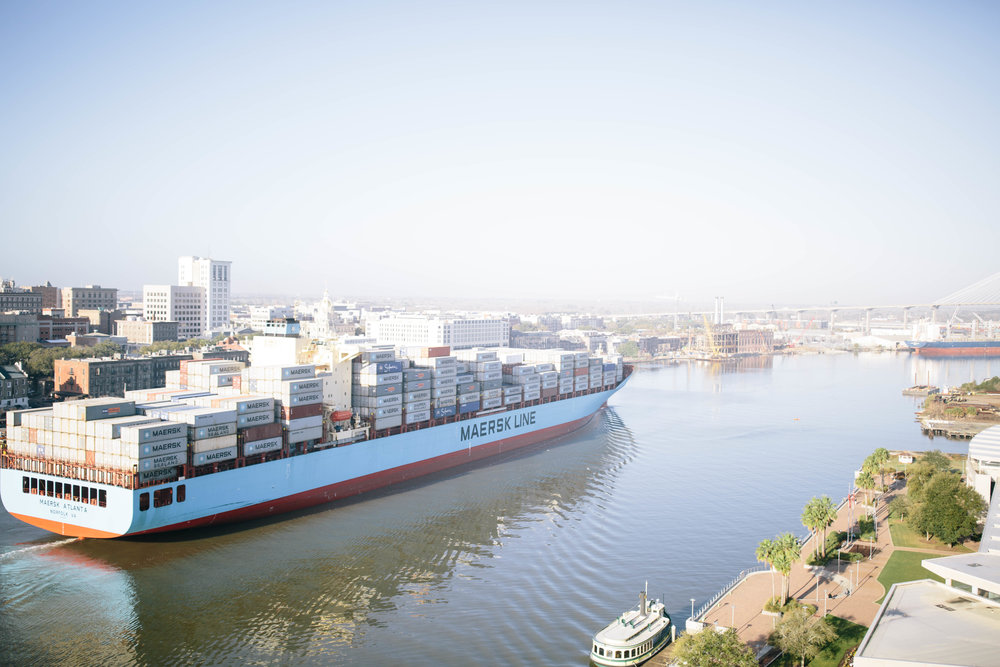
211, 433
377, 393
211, 374
298, 395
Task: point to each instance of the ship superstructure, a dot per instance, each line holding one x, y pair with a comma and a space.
224, 442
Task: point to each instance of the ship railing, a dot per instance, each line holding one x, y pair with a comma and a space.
84, 473
727, 588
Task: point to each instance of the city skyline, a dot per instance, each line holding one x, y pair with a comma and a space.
786, 154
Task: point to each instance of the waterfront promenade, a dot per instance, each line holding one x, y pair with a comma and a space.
850, 591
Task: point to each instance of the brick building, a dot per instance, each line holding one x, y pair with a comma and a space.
111, 377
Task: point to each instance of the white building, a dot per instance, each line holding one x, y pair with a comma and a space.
184, 304
213, 276
259, 315
403, 329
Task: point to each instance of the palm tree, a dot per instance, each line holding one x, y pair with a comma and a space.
765, 554
865, 480
880, 457
786, 553
818, 514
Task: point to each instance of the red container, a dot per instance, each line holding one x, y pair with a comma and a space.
262, 432
549, 393
581, 371
340, 415
300, 411
432, 352
237, 382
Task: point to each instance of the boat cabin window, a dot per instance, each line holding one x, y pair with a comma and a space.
618, 654
102, 498
181, 493
48, 487
25, 485
58, 489
143, 502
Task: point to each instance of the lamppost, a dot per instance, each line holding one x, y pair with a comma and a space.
692, 609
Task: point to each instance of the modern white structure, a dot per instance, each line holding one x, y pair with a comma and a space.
423, 330
213, 276
982, 469
927, 623
184, 304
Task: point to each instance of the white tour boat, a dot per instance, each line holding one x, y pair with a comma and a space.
634, 637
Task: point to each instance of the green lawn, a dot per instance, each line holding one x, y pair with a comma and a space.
849, 635
904, 536
904, 566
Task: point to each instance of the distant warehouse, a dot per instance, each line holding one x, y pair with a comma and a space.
459, 333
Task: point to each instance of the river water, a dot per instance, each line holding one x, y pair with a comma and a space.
517, 562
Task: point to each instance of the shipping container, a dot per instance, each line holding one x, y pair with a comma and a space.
261, 446
381, 390
442, 412
416, 417
444, 402
438, 383
303, 423
375, 380
160, 462
214, 456
444, 392
417, 406
158, 448
156, 475
489, 403
214, 431
466, 408
389, 422
416, 374
491, 393
376, 356
491, 384
304, 435
203, 416
301, 411
308, 399
133, 435
254, 419
90, 409
382, 367
468, 398
378, 413
416, 396
416, 385
209, 444
261, 432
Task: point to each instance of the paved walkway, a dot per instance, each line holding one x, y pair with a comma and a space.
848, 591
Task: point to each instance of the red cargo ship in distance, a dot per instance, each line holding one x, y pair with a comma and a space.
955, 348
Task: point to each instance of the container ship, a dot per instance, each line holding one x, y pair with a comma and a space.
224, 442
956, 348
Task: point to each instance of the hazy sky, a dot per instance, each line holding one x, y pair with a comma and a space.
793, 152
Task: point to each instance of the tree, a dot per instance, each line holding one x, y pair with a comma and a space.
923, 470
765, 553
709, 648
781, 554
865, 480
12, 353
950, 510
900, 507
880, 457
818, 515
797, 633
628, 348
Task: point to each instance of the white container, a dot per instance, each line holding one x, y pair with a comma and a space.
302, 435
492, 403
158, 462
302, 399
261, 446
418, 406
512, 399
444, 402
199, 417
148, 432
468, 398
415, 417
444, 392
254, 419
214, 456
213, 431
303, 423
208, 444
491, 393
159, 448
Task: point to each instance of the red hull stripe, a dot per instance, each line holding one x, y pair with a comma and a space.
957, 351
351, 487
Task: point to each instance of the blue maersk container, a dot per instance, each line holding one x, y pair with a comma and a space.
448, 411
465, 408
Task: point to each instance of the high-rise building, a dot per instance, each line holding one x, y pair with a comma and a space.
213, 276
184, 304
51, 295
